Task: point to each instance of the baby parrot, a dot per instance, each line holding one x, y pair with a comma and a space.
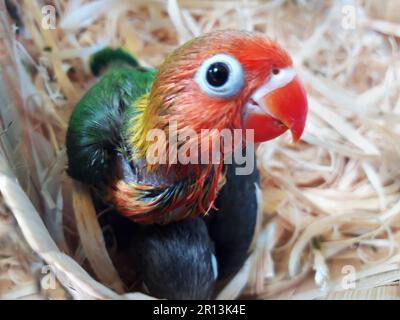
189, 224
224, 80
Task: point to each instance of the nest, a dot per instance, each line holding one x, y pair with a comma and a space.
330, 224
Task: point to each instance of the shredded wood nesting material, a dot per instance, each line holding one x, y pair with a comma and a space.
331, 215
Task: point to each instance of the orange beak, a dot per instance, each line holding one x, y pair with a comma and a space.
278, 110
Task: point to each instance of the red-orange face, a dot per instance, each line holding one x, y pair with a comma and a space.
231, 79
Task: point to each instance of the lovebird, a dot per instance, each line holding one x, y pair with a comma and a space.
143, 138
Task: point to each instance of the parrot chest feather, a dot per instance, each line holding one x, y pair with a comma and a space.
148, 197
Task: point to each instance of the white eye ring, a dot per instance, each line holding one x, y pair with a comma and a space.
234, 82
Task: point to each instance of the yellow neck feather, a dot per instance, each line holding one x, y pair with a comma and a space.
140, 124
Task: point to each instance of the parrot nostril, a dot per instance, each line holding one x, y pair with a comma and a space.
275, 71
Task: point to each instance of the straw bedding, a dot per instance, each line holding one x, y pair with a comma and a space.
330, 224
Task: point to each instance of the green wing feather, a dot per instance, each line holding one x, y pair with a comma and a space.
108, 58
95, 127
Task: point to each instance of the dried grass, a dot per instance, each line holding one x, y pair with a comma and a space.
331, 202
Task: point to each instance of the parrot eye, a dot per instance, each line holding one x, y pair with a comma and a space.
217, 74
220, 76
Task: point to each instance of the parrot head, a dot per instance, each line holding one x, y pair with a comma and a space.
229, 79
